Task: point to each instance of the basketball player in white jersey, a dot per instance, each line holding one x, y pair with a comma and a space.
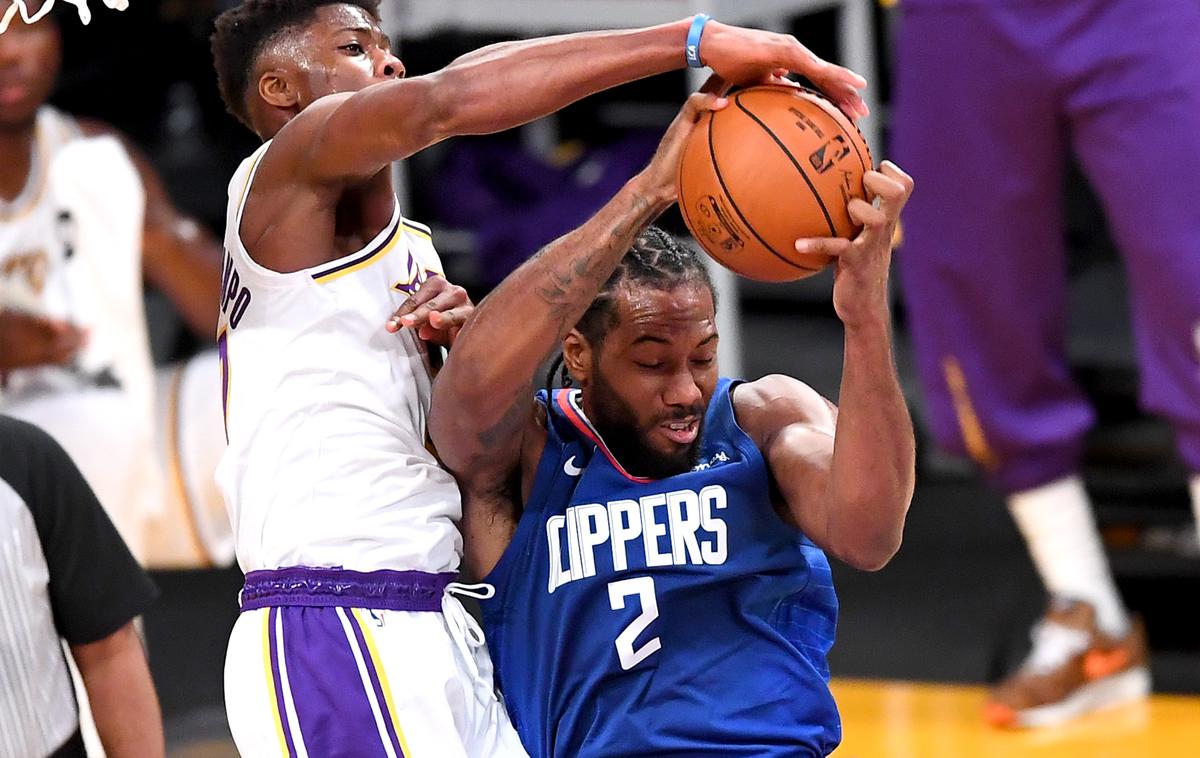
343, 519
83, 218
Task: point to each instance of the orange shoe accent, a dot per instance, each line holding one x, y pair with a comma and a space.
999, 715
1018, 700
1098, 664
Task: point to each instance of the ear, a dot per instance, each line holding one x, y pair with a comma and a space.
277, 89
577, 356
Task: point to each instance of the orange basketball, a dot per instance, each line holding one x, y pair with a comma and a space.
775, 165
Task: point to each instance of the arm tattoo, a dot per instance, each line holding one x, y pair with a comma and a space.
565, 292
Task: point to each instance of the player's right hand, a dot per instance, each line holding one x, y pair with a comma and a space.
658, 178
436, 311
27, 340
860, 280
750, 56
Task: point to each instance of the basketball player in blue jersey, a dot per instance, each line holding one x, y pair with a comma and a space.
350, 641
656, 536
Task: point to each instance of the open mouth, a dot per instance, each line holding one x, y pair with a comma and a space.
681, 431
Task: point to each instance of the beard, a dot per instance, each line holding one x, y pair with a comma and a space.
629, 442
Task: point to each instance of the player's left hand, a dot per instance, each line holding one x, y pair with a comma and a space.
860, 279
436, 311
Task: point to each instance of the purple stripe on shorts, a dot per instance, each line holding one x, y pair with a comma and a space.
280, 703
331, 704
333, 587
373, 675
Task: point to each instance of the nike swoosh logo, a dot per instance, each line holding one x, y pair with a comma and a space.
570, 468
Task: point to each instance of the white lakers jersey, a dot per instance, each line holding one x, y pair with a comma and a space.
325, 410
71, 249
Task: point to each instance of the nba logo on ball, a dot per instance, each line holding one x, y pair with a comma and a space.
717, 228
823, 158
776, 165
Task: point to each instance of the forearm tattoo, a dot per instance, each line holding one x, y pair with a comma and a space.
568, 289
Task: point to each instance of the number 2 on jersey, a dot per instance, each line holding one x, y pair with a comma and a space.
643, 587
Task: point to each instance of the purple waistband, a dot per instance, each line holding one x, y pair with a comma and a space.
334, 587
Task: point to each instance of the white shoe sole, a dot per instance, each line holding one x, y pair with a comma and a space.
1108, 692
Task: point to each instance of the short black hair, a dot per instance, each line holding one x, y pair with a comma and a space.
242, 32
656, 260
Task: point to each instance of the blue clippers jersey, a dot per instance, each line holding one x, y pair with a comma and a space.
677, 617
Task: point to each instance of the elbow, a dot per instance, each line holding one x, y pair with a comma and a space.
870, 545
458, 406
870, 556
446, 428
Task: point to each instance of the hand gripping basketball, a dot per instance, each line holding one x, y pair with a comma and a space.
750, 56
659, 177
860, 279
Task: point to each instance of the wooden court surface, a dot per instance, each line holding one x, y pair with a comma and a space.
904, 720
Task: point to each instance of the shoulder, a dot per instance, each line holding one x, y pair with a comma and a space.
22, 442
766, 405
303, 132
94, 129
778, 389
91, 127
34, 464
84, 147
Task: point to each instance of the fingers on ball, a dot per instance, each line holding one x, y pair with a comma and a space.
886, 187
866, 214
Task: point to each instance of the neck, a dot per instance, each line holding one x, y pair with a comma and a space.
16, 145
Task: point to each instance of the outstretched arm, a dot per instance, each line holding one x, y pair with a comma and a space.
512, 83
846, 474
482, 399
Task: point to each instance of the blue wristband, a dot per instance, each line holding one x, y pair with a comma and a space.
693, 41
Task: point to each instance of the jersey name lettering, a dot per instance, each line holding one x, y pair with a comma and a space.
233, 293
677, 528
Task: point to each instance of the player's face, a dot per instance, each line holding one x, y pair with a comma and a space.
344, 51
30, 55
652, 378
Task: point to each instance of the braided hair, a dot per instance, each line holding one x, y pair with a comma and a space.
656, 260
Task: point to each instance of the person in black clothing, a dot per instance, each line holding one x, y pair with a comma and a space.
66, 574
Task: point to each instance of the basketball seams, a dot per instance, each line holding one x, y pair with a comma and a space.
733, 203
737, 100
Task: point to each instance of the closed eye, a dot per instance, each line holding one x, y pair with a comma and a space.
650, 366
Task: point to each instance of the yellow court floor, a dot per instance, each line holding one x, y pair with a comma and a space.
905, 720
